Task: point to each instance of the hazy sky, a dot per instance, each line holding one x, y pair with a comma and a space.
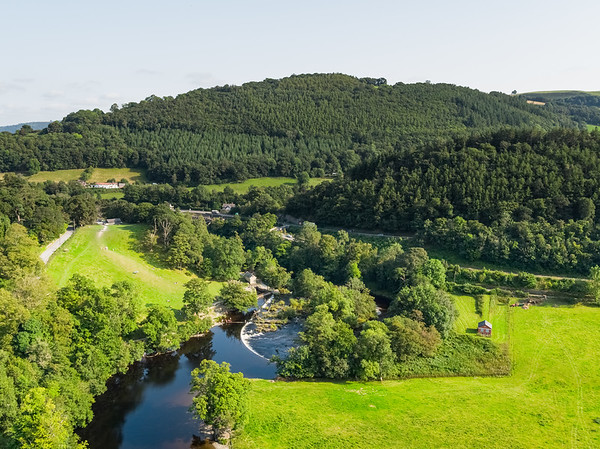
63, 55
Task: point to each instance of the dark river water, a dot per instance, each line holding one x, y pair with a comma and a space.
148, 406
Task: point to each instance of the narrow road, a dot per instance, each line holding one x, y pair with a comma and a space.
52, 247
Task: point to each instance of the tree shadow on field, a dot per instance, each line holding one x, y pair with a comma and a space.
471, 330
135, 244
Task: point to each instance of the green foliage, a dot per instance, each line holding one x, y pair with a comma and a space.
87, 174
594, 285
18, 254
238, 296
330, 344
436, 307
267, 268
374, 352
224, 258
197, 297
82, 209
410, 338
221, 397
41, 425
160, 329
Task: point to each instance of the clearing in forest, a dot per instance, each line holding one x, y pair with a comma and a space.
98, 175
242, 187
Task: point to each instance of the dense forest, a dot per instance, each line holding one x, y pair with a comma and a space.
526, 197
319, 124
581, 106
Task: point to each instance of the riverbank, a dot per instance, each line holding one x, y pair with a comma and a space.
149, 405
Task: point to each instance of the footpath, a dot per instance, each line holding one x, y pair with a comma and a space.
52, 247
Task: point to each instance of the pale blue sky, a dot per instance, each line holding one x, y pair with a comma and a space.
66, 55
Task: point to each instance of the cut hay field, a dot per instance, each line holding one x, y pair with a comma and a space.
242, 187
84, 254
98, 175
551, 400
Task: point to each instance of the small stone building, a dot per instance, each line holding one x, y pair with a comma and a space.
250, 278
484, 328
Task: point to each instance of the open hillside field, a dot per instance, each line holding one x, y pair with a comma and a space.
592, 127
242, 187
84, 254
552, 399
98, 175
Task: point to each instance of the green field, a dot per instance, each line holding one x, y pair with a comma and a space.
242, 187
592, 127
99, 175
551, 400
110, 194
84, 254
494, 312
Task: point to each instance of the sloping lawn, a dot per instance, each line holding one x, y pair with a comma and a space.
108, 254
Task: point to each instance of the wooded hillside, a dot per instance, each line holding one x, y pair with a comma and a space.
320, 124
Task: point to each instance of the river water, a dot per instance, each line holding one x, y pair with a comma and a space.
148, 406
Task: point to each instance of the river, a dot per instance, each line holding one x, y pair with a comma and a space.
148, 406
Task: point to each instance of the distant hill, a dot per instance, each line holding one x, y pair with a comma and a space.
580, 105
13, 128
560, 94
319, 124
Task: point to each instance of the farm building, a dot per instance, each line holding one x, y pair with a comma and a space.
107, 185
226, 207
484, 328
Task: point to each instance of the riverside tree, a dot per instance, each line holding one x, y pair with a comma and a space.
196, 298
221, 399
235, 296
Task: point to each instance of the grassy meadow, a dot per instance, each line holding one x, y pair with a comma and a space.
551, 400
98, 175
112, 194
84, 254
242, 187
496, 313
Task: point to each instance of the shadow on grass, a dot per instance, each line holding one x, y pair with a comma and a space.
135, 244
471, 331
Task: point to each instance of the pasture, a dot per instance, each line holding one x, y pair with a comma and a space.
242, 187
551, 400
493, 311
86, 254
98, 175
